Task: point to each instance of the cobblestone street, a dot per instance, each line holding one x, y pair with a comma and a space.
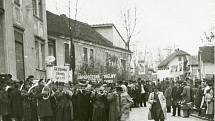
141, 114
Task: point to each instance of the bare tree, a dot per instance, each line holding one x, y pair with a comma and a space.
209, 36
129, 18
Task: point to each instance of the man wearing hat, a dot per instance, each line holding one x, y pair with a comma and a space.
157, 104
176, 97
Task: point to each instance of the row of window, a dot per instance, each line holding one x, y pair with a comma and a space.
37, 6
176, 68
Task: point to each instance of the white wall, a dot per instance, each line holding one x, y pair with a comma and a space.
207, 68
112, 35
118, 40
176, 62
162, 74
107, 32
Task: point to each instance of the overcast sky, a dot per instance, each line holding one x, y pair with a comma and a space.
161, 23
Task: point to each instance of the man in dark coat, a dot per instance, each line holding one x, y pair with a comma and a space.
44, 105
143, 95
176, 96
186, 95
16, 103
84, 105
4, 102
137, 92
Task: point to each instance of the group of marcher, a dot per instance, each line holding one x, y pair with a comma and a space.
44, 100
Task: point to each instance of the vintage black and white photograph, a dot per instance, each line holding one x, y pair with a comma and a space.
107, 60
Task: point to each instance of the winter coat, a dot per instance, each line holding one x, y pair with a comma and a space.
167, 94
4, 103
64, 107
16, 103
99, 113
210, 103
186, 94
125, 104
176, 95
114, 109
198, 99
162, 100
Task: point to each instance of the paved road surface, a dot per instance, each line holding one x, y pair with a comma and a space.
141, 114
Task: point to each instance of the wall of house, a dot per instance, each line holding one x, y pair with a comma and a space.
173, 70
162, 74
20, 18
112, 35
207, 68
194, 71
99, 54
174, 66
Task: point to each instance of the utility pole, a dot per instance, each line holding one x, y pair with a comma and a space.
72, 47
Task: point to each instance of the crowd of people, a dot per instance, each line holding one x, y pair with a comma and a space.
45, 100
183, 97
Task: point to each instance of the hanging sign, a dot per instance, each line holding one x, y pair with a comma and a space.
61, 74
109, 78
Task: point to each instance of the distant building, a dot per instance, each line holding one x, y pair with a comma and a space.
173, 66
94, 53
23, 38
206, 62
110, 32
193, 67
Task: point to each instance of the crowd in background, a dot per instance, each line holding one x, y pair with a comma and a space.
183, 97
87, 101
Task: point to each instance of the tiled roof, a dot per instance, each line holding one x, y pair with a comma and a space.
59, 25
207, 54
171, 57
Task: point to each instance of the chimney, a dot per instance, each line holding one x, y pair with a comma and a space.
177, 49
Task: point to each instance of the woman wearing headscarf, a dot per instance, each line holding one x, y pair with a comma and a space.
125, 104
157, 103
209, 99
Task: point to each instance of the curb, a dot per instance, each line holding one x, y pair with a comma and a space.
203, 118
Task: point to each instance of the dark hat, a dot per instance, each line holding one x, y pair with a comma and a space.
30, 76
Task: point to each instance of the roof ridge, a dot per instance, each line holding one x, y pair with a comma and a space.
177, 52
